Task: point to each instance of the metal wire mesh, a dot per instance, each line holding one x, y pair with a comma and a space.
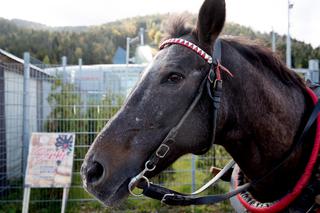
79, 99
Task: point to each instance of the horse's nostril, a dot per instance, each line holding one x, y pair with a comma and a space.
94, 172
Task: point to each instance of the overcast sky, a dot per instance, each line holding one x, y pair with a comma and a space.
261, 15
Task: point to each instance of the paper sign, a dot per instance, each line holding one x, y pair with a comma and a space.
50, 160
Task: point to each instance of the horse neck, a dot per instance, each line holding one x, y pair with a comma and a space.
262, 117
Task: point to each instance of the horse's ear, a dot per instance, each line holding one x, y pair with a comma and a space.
210, 22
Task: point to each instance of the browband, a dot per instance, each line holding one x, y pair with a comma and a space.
189, 45
216, 60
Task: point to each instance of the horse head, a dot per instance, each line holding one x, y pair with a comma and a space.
162, 96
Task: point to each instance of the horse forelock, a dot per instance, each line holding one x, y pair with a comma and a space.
178, 26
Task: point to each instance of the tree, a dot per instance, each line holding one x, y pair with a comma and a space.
46, 60
78, 52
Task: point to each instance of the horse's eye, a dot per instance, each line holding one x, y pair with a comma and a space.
175, 78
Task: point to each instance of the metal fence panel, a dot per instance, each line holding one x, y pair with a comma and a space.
78, 99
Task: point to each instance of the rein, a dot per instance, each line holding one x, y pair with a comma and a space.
213, 84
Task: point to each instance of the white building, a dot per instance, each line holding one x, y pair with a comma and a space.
312, 73
96, 81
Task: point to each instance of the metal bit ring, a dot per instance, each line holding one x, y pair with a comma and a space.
133, 182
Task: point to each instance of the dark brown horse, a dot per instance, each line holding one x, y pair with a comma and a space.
264, 108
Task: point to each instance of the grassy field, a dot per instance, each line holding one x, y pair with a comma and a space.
177, 177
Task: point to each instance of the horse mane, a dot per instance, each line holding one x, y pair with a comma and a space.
262, 58
256, 54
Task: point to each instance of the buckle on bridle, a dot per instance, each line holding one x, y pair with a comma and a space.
211, 76
147, 168
162, 150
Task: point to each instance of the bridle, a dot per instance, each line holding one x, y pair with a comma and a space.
213, 83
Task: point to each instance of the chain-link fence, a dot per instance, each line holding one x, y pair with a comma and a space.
79, 99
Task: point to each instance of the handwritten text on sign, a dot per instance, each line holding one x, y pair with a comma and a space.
50, 160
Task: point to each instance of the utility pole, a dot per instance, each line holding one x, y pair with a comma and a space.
289, 63
274, 48
128, 51
141, 36
130, 41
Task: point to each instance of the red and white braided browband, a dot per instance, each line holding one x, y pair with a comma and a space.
189, 45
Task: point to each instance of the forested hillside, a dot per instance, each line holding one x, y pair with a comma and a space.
97, 44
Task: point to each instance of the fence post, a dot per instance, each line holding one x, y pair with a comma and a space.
3, 143
80, 64
25, 111
193, 176
314, 70
193, 173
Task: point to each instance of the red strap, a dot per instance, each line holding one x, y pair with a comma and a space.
225, 70
218, 71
